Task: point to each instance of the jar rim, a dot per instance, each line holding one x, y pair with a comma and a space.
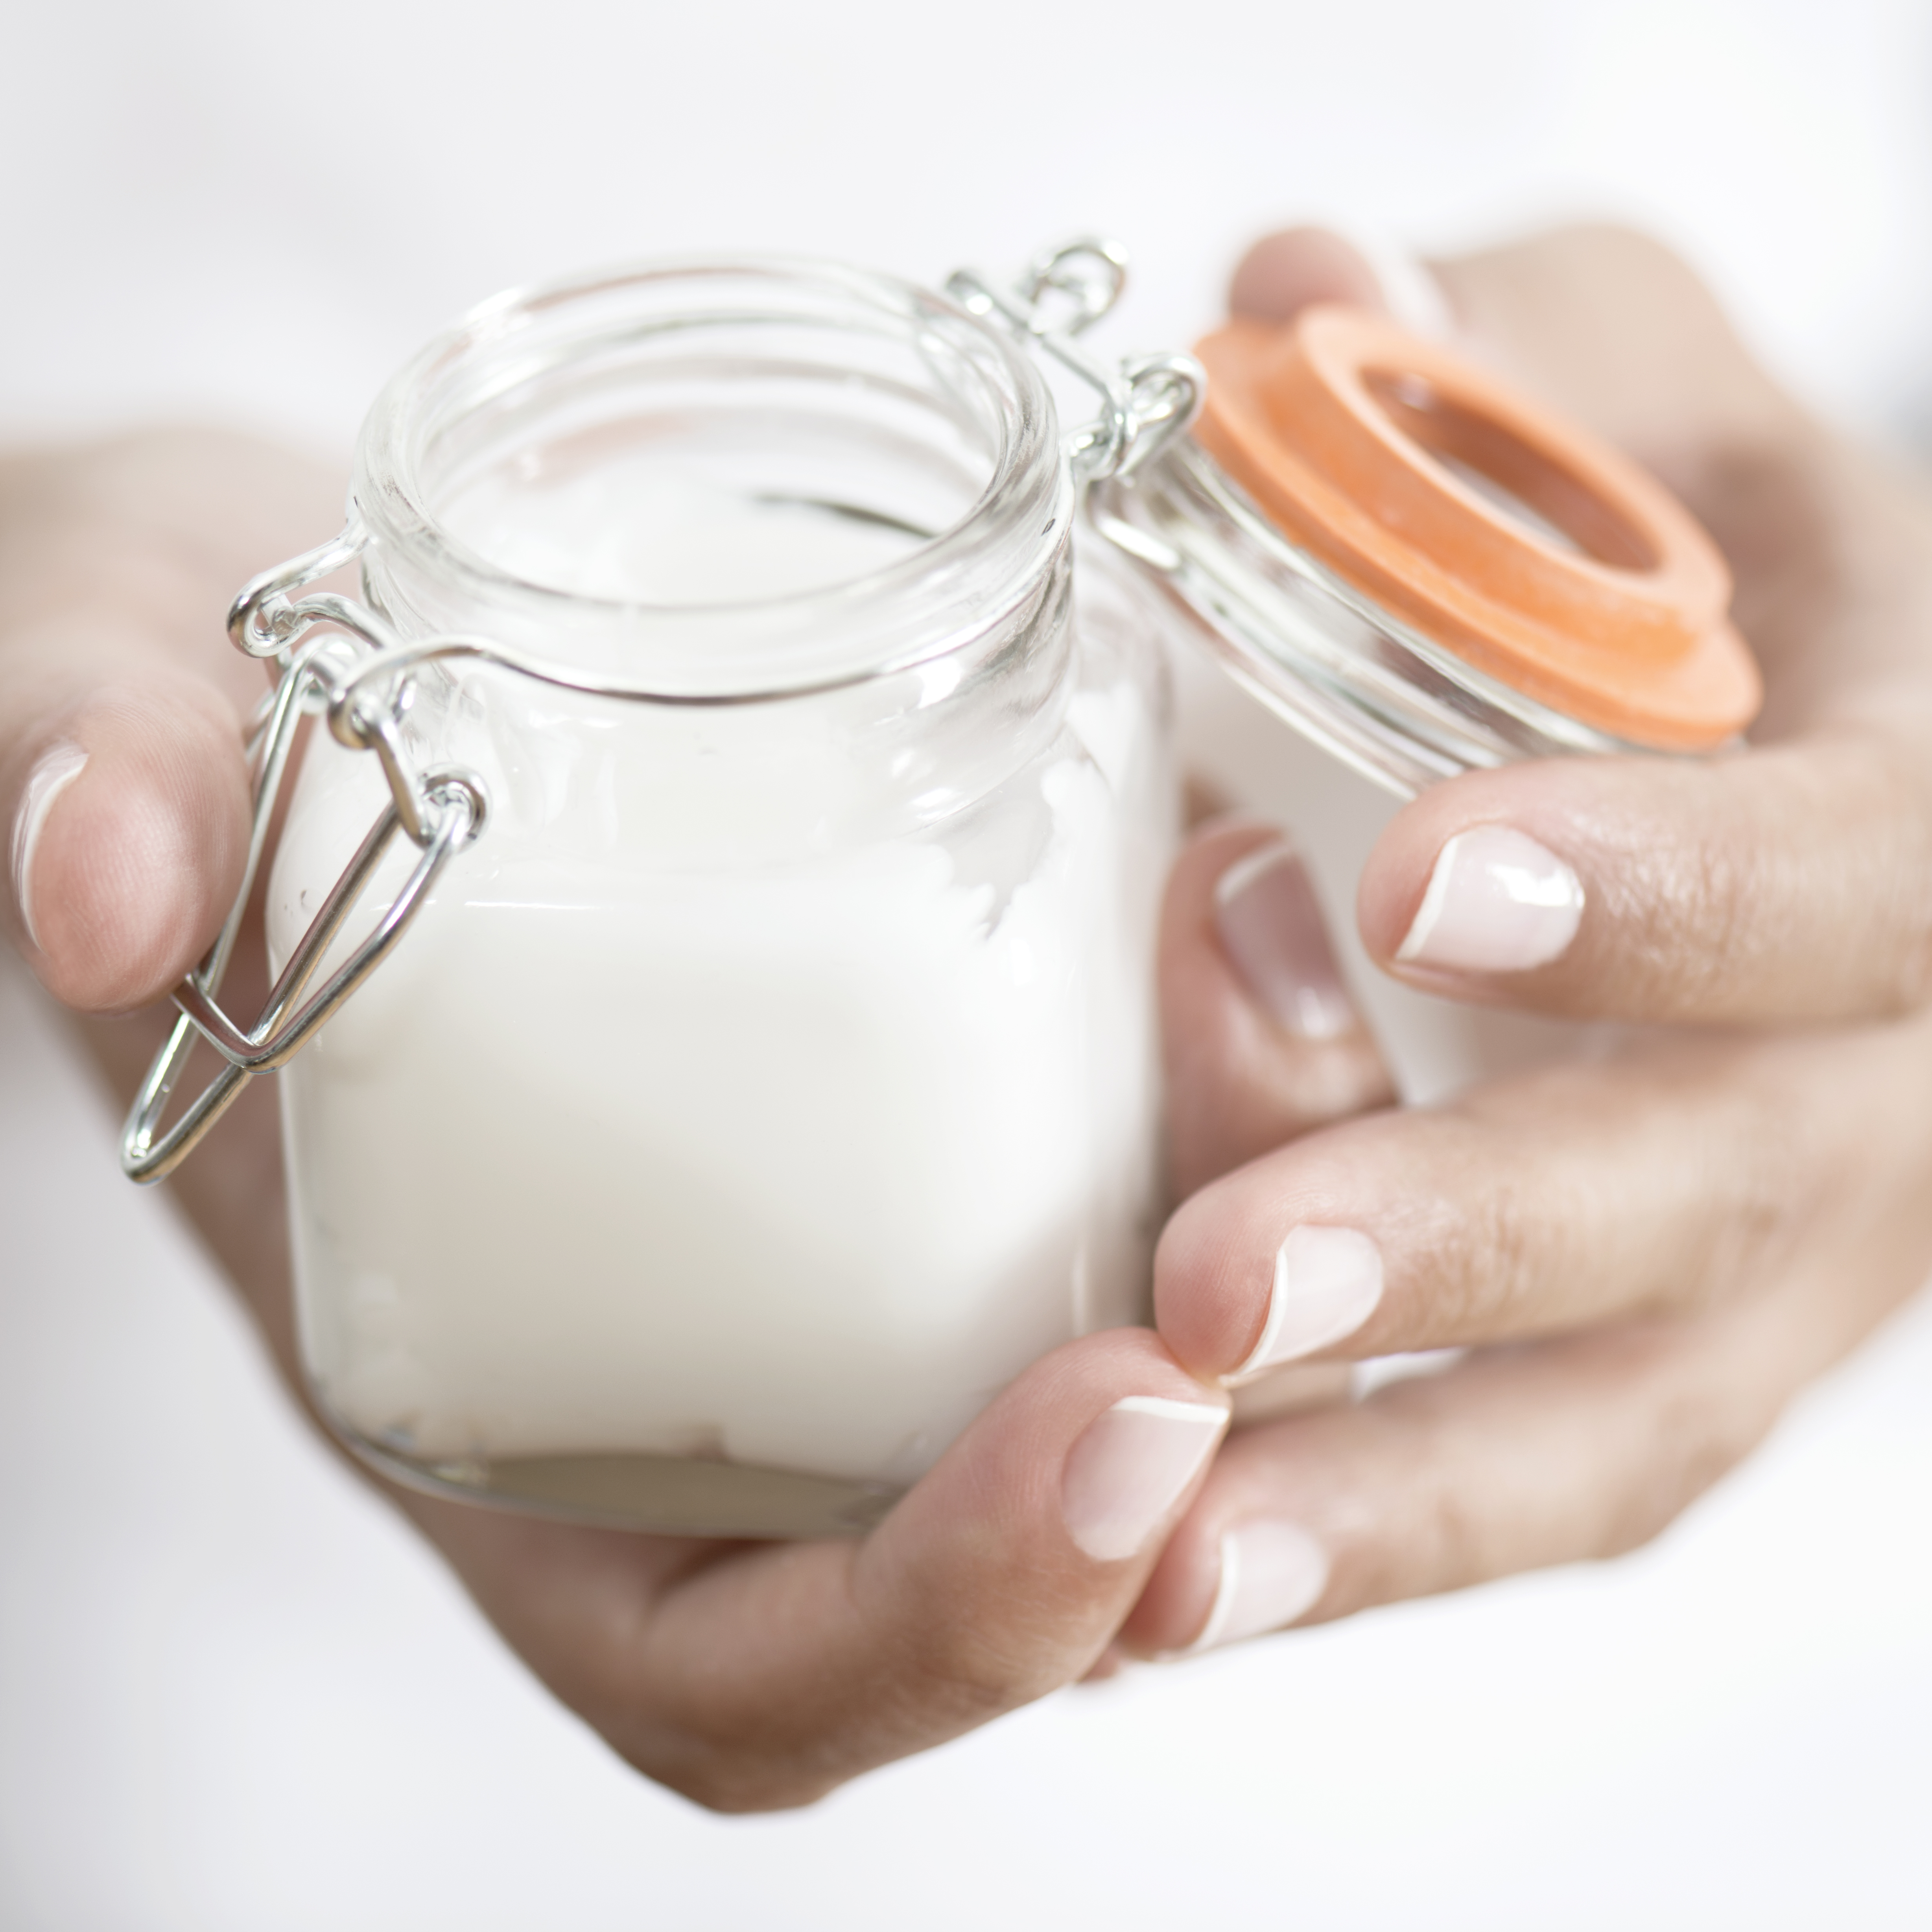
1532, 549
938, 598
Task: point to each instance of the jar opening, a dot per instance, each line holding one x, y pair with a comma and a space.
1525, 483
1362, 443
734, 478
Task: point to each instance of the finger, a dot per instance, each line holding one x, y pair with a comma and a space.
1618, 331
122, 787
1792, 885
1285, 273
1260, 1039
1674, 1178
127, 806
752, 1677
1558, 1452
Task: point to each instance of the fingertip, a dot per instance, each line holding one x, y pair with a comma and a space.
1260, 1038
1014, 1459
1016, 1556
1286, 272
129, 834
1209, 1307
1779, 887
1214, 1587
1479, 876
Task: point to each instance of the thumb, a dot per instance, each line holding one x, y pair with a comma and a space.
753, 1676
128, 809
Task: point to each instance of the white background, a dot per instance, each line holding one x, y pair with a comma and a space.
233, 1693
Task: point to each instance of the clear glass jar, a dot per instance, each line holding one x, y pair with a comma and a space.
774, 1075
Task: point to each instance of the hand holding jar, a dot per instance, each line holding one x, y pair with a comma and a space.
1687, 1230
1651, 1246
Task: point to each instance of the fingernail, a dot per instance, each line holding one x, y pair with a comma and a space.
1272, 1574
1130, 1468
1497, 902
58, 767
1327, 1282
1271, 929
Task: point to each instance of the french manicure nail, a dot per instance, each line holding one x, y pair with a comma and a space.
1130, 1467
1497, 902
1327, 1282
1272, 1574
1270, 928
57, 768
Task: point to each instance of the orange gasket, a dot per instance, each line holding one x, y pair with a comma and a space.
1393, 461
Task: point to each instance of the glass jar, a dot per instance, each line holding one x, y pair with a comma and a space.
772, 1075
774, 786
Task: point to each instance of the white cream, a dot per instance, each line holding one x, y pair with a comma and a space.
686, 1120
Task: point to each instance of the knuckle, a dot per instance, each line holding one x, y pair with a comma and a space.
1507, 1262
1692, 1434
1755, 1211
967, 1670
1681, 908
1453, 1537
1795, 881
1487, 1252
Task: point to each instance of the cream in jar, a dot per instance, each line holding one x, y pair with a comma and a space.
775, 1077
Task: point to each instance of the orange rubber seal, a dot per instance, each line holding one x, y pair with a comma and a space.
1408, 472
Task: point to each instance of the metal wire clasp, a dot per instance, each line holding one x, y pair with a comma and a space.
338, 659
1146, 400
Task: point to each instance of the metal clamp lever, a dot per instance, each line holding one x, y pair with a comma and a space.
1146, 400
440, 813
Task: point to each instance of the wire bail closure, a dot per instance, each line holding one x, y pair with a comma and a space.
353, 672
340, 661
1146, 400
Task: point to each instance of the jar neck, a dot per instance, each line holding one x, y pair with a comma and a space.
807, 531
1401, 709
716, 787
718, 483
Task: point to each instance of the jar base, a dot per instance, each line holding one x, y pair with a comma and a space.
664, 1495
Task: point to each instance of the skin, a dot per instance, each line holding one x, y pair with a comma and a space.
1647, 1255
747, 1676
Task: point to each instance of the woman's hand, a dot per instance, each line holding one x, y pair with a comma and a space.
745, 1676
1650, 1252
1679, 1282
